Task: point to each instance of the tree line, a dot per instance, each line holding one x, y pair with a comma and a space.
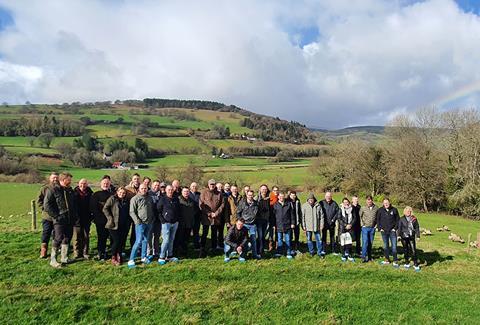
38, 125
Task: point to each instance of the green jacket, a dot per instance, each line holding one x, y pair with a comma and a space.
368, 216
142, 209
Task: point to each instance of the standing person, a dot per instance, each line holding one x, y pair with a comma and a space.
81, 229
272, 236
312, 224
264, 214
236, 241
246, 188
211, 205
47, 221
227, 189
195, 197
330, 211
284, 224
59, 203
223, 218
163, 185
409, 230
248, 210
346, 220
97, 202
117, 212
132, 190
169, 213
233, 201
153, 247
297, 214
357, 228
112, 187
368, 221
142, 211
387, 223
186, 221
177, 189
147, 181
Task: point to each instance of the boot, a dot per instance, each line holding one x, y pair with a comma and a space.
114, 260
53, 258
64, 254
43, 250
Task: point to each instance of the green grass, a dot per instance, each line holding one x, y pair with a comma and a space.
305, 290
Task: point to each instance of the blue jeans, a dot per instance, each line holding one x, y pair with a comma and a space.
142, 231
168, 236
318, 242
252, 232
284, 236
262, 232
390, 238
227, 249
368, 235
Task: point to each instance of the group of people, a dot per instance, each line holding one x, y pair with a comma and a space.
163, 220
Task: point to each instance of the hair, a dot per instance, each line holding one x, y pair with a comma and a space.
241, 220
369, 197
250, 191
293, 192
346, 199
146, 177
106, 177
275, 187
156, 181
121, 188
64, 175
185, 187
53, 174
136, 174
386, 199
407, 208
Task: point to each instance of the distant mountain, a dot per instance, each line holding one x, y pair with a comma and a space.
368, 133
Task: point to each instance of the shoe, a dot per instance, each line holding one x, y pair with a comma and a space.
395, 265
226, 259
351, 259
407, 266
53, 259
43, 250
86, 256
241, 260
173, 260
417, 268
146, 261
277, 255
344, 259
335, 254
64, 254
384, 262
258, 257
131, 264
233, 254
290, 257
162, 261
323, 253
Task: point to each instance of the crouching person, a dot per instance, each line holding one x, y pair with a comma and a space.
169, 213
142, 213
285, 222
60, 204
117, 211
312, 224
236, 241
409, 230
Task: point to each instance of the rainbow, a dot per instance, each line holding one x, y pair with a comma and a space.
457, 94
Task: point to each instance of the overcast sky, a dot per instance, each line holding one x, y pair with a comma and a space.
327, 64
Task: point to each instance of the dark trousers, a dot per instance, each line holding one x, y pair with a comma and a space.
214, 236
346, 250
196, 232
47, 231
296, 237
331, 231
357, 233
102, 236
132, 234
410, 250
182, 237
118, 237
81, 238
63, 234
220, 238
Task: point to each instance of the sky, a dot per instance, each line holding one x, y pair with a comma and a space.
327, 64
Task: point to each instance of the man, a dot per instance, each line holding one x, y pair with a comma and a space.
195, 197
330, 212
153, 247
387, 224
284, 223
60, 205
272, 236
97, 202
163, 185
211, 205
236, 241
264, 214
188, 210
357, 228
81, 229
368, 221
223, 218
142, 211
248, 210
169, 213
132, 190
113, 189
233, 201
47, 221
227, 189
177, 190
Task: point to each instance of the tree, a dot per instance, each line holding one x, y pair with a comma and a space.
45, 139
31, 141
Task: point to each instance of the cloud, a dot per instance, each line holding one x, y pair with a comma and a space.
324, 63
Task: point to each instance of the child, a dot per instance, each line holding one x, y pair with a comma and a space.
408, 230
345, 229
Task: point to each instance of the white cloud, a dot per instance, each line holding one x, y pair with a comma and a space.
371, 57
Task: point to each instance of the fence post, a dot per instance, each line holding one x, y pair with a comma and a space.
468, 242
34, 214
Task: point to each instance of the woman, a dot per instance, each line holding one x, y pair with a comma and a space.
345, 229
312, 223
408, 230
297, 215
116, 210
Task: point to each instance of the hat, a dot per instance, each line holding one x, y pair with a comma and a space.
311, 196
163, 184
212, 181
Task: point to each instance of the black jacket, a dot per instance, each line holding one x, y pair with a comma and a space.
403, 230
97, 202
345, 219
356, 214
168, 209
60, 205
330, 212
247, 211
83, 205
284, 217
187, 211
387, 220
237, 237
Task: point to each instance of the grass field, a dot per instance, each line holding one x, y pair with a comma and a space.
305, 290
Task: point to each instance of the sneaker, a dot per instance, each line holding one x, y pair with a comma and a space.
162, 261
233, 254
344, 259
277, 255
173, 259
395, 265
131, 264
290, 257
146, 261
407, 266
323, 253
226, 259
384, 262
351, 259
258, 257
335, 254
417, 268
241, 260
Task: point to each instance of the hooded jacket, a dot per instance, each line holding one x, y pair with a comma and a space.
312, 217
142, 209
